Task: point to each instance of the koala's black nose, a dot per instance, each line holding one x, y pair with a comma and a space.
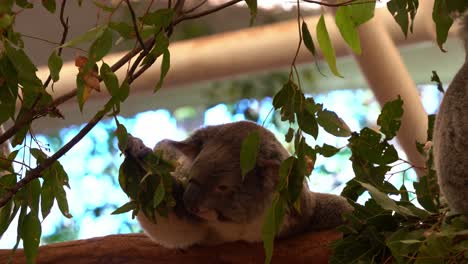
192, 196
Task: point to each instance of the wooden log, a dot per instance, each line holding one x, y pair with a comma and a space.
138, 249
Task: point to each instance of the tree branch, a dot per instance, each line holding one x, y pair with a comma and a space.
64, 36
207, 12
135, 26
311, 247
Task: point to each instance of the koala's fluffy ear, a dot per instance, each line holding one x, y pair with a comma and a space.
188, 147
269, 170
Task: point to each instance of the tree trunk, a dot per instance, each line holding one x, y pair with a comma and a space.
138, 249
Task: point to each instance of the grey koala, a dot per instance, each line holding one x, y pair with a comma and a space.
217, 205
451, 130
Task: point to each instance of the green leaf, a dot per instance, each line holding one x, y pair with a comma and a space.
307, 38
80, 87
384, 201
284, 171
124, 91
435, 78
33, 192
90, 35
55, 178
325, 44
5, 21
252, 4
402, 243
132, 205
124, 29
24, 4
361, 11
19, 136
334, 125
159, 195
443, 21
249, 152
101, 46
55, 65
7, 212
368, 146
327, 150
160, 18
110, 80
308, 123
165, 64
6, 5
402, 11
425, 194
161, 45
31, 235
62, 202
348, 28
49, 5
104, 7
122, 136
404, 193
430, 126
271, 225
389, 119
288, 137
22, 63
47, 196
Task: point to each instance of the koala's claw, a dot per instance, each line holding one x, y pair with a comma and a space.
136, 148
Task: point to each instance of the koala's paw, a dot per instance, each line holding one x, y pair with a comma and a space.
136, 148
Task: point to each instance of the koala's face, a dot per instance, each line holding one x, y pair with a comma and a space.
217, 192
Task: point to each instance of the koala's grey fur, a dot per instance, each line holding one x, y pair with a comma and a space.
217, 204
450, 137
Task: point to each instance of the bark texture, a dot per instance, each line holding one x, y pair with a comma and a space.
138, 249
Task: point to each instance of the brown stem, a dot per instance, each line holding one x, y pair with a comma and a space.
207, 12
330, 4
37, 171
135, 26
190, 10
64, 36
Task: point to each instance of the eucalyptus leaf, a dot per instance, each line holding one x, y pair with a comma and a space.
249, 151
55, 65
125, 208
326, 46
31, 235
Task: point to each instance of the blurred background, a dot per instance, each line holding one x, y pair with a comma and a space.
191, 98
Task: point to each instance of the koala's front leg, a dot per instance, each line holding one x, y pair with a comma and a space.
179, 229
136, 148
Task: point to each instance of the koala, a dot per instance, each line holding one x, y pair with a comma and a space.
450, 137
217, 205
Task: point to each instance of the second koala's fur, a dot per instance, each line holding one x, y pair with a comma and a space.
450, 143
217, 205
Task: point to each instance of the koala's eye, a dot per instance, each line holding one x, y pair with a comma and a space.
222, 188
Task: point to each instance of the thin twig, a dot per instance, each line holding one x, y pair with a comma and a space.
62, 40
330, 4
135, 26
207, 12
190, 10
36, 172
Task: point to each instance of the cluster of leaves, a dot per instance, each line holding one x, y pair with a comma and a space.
37, 196
45, 183
147, 181
385, 229
34, 189
18, 81
306, 115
